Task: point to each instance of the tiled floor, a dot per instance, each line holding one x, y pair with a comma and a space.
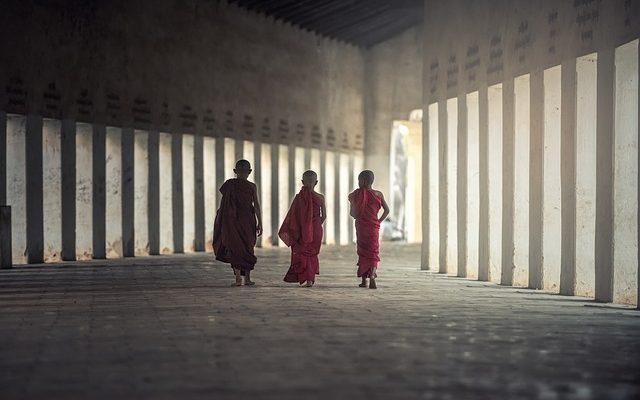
172, 327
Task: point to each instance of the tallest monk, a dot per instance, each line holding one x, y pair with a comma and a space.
238, 223
365, 204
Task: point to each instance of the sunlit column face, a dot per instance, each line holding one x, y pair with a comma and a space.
210, 188
16, 186
521, 181
413, 196
166, 192
329, 176
495, 181
113, 189
229, 158
141, 192
84, 192
452, 197
552, 201
625, 182
473, 184
51, 190
265, 199
248, 153
188, 193
299, 168
358, 166
283, 185
344, 203
586, 122
434, 204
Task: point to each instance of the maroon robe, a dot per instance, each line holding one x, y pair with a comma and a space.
367, 203
234, 230
302, 231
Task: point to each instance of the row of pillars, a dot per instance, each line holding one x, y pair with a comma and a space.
120, 192
494, 195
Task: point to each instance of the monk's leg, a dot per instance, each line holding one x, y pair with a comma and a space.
247, 278
236, 272
372, 278
364, 282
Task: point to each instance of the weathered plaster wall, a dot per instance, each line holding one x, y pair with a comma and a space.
393, 89
200, 66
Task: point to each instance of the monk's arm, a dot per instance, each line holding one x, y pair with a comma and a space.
323, 212
352, 211
258, 210
385, 208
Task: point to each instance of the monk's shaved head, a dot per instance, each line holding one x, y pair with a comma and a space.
243, 165
366, 176
309, 178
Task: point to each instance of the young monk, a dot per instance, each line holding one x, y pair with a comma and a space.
235, 228
365, 203
302, 231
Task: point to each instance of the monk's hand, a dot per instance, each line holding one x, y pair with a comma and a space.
259, 229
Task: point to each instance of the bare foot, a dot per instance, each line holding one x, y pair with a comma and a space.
309, 284
372, 284
249, 282
363, 284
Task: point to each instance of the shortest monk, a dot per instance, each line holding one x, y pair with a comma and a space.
235, 228
365, 203
302, 231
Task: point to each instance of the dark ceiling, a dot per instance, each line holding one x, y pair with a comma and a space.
360, 22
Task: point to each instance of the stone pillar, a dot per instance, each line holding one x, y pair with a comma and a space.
336, 197
128, 193
568, 178
351, 187
257, 178
424, 248
188, 193
604, 177
165, 188
141, 192
442, 184
293, 178
536, 154
83, 191
68, 189
34, 209
483, 223
153, 196
198, 164
99, 192
5, 237
177, 202
3, 158
220, 176
508, 182
323, 185
238, 151
275, 192
461, 187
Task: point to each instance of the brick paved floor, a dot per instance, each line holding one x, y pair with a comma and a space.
171, 327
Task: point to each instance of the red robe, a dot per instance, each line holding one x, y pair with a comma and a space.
302, 231
367, 203
234, 230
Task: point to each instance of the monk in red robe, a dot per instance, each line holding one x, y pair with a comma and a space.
302, 231
238, 222
365, 204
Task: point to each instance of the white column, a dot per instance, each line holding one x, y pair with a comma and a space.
283, 184
299, 168
452, 173
521, 181
358, 166
552, 222
141, 192
625, 182
249, 155
473, 184
586, 122
413, 196
434, 203
84, 191
343, 195
265, 200
329, 177
16, 186
229, 159
51, 189
166, 192
210, 189
113, 189
188, 193
494, 94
